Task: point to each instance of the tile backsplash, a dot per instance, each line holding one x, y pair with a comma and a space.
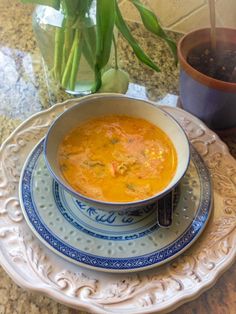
185, 15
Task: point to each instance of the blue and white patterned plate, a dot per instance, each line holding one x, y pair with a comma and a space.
111, 241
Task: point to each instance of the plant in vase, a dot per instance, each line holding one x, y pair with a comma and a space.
82, 39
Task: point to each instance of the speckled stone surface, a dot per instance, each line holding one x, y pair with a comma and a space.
25, 89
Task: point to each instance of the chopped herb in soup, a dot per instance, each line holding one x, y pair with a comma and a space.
117, 159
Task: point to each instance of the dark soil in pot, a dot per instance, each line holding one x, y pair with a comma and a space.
219, 64
208, 87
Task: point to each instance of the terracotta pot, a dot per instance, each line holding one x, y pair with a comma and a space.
211, 100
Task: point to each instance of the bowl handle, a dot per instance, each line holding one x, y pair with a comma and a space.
165, 207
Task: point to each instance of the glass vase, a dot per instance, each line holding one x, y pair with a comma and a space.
68, 46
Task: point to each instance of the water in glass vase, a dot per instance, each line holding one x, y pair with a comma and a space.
67, 44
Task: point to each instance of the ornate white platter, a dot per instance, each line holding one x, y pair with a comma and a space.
161, 289
111, 241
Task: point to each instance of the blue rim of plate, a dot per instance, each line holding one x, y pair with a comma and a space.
108, 263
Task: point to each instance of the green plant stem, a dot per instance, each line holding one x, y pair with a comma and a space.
67, 71
68, 41
98, 79
89, 38
115, 50
59, 38
105, 15
76, 58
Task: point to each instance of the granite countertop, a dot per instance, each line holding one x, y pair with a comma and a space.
25, 89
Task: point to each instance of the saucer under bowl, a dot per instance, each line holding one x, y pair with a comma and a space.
112, 241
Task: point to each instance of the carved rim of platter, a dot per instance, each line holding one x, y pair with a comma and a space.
167, 305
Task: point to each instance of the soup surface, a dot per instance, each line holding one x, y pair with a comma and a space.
117, 159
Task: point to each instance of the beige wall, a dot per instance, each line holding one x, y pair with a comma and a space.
185, 15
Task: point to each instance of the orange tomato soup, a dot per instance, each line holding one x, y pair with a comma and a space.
117, 159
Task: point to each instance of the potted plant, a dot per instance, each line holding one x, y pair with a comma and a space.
208, 76
77, 37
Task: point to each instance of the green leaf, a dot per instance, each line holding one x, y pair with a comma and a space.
51, 3
151, 23
123, 28
105, 25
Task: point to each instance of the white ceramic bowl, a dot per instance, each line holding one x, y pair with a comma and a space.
108, 104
